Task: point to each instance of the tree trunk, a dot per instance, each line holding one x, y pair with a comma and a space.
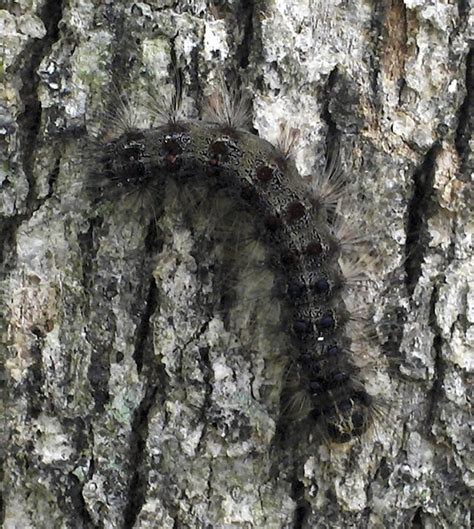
144, 355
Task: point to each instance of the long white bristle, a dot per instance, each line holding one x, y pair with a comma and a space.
228, 106
167, 106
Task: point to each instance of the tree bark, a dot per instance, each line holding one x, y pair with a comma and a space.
144, 357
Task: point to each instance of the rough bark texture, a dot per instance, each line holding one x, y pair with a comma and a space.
138, 395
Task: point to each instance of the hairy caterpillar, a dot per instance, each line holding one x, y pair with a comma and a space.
322, 381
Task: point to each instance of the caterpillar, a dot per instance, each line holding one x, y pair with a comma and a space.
321, 382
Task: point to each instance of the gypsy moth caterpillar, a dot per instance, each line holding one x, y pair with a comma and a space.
323, 382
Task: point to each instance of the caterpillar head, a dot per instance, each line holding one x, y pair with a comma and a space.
123, 164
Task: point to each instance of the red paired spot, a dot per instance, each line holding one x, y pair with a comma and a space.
314, 248
217, 150
218, 147
213, 170
172, 149
273, 223
247, 192
289, 258
295, 211
265, 174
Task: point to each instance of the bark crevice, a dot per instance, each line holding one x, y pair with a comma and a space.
465, 118
418, 212
29, 120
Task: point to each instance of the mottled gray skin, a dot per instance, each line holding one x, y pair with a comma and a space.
322, 383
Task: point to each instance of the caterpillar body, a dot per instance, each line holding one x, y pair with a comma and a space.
321, 382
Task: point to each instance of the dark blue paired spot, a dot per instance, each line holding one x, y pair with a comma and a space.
296, 290
363, 397
316, 387
358, 421
326, 322
328, 409
302, 327
338, 379
321, 286
345, 405
310, 365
